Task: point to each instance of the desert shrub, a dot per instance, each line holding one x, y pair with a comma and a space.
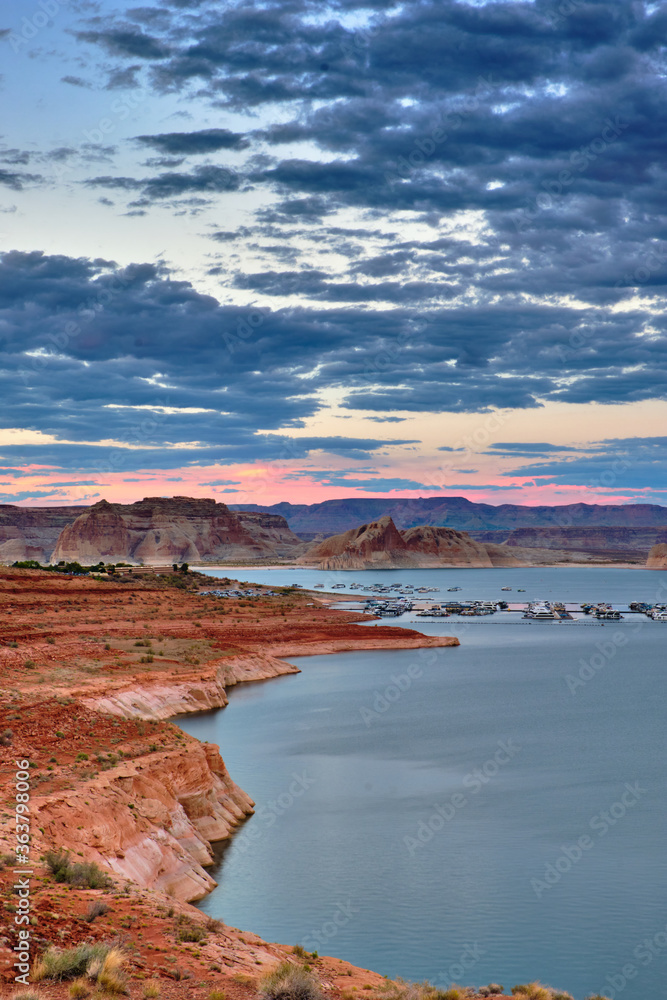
188, 931
179, 974
532, 991
97, 908
217, 995
26, 995
69, 963
84, 874
6, 738
147, 659
289, 982
151, 990
299, 951
29, 664
215, 926
568, 996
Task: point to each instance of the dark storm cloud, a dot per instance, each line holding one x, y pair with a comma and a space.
92, 351
551, 123
204, 179
528, 142
207, 140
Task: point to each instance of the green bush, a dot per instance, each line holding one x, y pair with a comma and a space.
289, 982
84, 874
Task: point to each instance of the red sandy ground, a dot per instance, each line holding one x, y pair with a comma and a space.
65, 637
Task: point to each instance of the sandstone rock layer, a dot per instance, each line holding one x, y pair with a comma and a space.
160, 530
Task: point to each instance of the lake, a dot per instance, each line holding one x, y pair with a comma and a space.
494, 811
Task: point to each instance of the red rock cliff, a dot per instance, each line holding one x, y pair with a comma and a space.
159, 530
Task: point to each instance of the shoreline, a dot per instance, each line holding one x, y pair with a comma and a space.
202, 568
98, 672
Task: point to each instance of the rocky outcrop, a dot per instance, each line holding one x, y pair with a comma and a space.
657, 557
381, 544
161, 530
152, 821
195, 693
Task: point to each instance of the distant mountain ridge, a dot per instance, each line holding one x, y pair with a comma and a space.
336, 516
160, 530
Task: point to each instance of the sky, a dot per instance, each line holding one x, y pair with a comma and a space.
288, 250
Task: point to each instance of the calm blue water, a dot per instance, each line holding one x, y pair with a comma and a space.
422, 813
572, 584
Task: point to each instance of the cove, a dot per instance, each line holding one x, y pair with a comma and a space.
440, 836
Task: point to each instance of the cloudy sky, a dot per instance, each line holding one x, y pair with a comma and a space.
294, 250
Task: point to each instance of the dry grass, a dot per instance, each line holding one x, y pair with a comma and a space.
532, 991
79, 989
289, 982
98, 962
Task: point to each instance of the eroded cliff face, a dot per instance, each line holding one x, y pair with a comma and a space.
151, 821
657, 557
159, 531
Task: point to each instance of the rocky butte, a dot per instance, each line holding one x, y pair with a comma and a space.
380, 544
159, 530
